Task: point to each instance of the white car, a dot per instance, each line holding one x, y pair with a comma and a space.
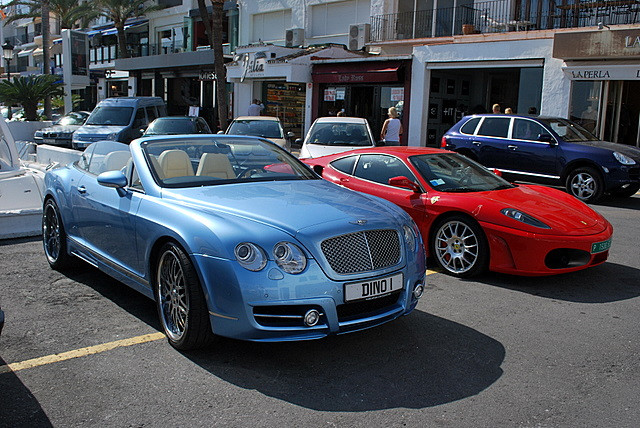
261, 126
329, 135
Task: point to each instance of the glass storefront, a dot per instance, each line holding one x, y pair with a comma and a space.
608, 108
286, 101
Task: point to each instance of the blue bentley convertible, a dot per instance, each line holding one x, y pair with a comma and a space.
233, 236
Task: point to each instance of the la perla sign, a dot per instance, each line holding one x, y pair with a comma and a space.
632, 42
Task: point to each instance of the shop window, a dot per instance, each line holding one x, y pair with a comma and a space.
335, 18
495, 127
585, 104
271, 26
345, 164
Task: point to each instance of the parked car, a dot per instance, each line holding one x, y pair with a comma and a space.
264, 253
471, 218
119, 119
329, 135
62, 130
174, 125
261, 126
548, 150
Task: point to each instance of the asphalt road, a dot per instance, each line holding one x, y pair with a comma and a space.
500, 351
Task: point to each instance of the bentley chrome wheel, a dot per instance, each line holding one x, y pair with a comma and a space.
172, 295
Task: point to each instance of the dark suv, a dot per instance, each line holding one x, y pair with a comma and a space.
548, 150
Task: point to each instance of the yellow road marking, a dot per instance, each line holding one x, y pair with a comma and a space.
430, 272
82, 352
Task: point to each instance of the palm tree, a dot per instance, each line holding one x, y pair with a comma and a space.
71, 13
28, 91
213, 29
118, 11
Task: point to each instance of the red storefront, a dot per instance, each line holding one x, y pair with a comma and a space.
362, 88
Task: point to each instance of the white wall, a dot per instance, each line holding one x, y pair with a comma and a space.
555, 86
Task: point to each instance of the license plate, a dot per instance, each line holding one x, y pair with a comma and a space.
49, 141
599, 247
373, 288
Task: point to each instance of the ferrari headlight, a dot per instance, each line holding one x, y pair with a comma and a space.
410, 237
289, 257
623, 159
524, 218
250, 256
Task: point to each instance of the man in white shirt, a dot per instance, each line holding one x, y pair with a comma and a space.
255, 109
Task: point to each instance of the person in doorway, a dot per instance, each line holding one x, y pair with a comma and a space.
255, 109
508, 110
391, 129
496, 109
341, 113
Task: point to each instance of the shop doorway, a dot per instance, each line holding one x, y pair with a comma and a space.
362, 105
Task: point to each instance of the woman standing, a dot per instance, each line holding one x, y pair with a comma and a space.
391, 129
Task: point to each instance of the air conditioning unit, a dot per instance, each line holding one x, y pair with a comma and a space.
294, 37
359, 35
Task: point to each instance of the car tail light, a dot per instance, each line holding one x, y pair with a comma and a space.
443, 142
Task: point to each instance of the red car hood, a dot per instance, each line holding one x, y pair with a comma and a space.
563, 213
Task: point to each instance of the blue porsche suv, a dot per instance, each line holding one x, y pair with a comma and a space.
548, 150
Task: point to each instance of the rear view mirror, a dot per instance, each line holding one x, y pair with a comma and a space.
497, 172
115, 179
220, 132
298, 140
546, 138
290, 134
404, 183
380, 143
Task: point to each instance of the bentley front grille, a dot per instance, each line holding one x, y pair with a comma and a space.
362, 251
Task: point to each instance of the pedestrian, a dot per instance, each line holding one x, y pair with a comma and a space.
496, 109
255, 109
341, 113
508, 110
391, 129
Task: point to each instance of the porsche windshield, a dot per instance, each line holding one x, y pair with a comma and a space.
220, 160
569, 131
450, 172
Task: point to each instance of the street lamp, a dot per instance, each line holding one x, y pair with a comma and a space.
7, 54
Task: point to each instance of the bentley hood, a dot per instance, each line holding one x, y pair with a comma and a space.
292, 206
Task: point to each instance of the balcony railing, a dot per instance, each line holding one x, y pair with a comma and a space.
498, 16
109, 53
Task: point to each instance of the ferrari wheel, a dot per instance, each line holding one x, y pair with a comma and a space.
180, 301
459, 246
585, 184
626, 191
54, 238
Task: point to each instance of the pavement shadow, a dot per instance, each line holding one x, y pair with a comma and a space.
609, 282
415, 362
18, 406
632, 203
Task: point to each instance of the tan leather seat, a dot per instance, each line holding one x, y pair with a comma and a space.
115, 161
175, 163
215, 165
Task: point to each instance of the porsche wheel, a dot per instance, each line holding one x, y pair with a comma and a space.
180, 301
626, 191
585, 184
459, 246
54, 238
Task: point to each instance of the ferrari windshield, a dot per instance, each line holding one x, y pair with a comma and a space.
190, 162
451, 172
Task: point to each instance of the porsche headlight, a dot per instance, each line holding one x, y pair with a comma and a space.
623, 159
410, 237
250, 256
289, 257
524, 218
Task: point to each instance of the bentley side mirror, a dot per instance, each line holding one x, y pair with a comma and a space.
115, 179
404, 183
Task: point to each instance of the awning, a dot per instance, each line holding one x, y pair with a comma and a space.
360, 72
110, 31
25, 53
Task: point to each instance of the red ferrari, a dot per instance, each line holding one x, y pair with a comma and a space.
472, 219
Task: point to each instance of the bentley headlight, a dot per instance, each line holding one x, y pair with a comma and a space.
524, 218
289, 257
250, 256
410, 237
623, 159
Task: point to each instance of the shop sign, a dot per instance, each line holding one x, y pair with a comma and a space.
397, 94
253, 65
330, 94
632, 42
603, 73
207, 75
340, 93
